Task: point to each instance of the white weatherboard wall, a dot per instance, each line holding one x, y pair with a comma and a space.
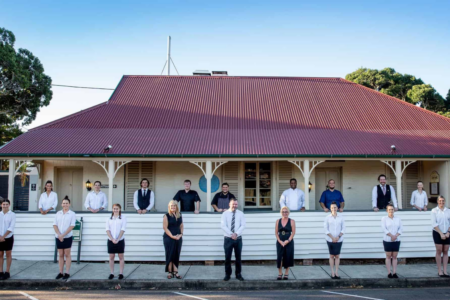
203, 237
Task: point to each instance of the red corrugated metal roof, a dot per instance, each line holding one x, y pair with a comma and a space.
196, 115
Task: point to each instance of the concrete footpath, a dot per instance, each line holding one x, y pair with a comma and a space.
41, 274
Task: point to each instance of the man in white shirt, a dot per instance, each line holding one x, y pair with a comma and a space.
96, 200
293, 198
144, 198
233, 224
7, 224
419, 198
383, 194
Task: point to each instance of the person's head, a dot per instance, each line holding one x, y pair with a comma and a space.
293, 183
225, 187
331, 184
173, 209
285, 211
333, 207
117, 210
145, 183
66, 203
382, 179
48, 186
390, 210
441, 201
5, 204
187, 184
233, 204
419, 185
97, 186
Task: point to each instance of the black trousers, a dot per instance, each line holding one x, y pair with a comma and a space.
229, 245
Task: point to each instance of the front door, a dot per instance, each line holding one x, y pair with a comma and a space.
70, 183
322, 177
258, 185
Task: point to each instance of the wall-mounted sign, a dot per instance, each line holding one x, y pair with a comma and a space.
106, 186
434, 183
33, 187
77, 230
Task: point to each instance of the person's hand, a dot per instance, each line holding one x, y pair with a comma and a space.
139, 211
43, 212
303, 209
101, 208
396, 209
234, 236
196, 212
220, 210
61, 238
2, 239
144, 211
376, 209
393, 238
326, 209
341, 210
447, 235
425, 208
419, 209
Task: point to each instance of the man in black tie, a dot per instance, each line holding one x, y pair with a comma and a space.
144, 198
383, 194
233, 224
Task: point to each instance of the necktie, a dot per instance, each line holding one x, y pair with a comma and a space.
232, 221
145, 192
384, 190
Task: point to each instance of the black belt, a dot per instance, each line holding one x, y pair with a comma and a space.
284, 232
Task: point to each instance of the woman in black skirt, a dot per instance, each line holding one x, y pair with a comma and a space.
284, 232
63, 225
115, 228
440, 219
392, 228
173, 233
334, 226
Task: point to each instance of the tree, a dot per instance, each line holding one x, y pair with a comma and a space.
24, 88
427, 97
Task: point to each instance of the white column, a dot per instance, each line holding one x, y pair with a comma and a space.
12, 175
208, 175
111, 172
398, 175
306, 176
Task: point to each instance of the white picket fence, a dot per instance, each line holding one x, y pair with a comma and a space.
203, 238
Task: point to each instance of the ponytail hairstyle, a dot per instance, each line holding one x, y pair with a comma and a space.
66, 198
120, 210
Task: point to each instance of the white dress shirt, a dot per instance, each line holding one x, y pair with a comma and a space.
419, 199
45, 202
239, 222
440, 218
392, 226
96, 200
63, 221
7, 223
115, 225
375, 196
293, 199
135, 199
334, 226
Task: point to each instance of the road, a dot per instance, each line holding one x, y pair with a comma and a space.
341, 294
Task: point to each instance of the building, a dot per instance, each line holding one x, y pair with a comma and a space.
253, 132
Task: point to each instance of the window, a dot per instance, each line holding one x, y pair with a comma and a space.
258, 185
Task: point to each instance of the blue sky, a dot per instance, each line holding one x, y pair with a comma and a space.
94, 43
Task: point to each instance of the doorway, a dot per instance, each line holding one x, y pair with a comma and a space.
322, 177
70, 183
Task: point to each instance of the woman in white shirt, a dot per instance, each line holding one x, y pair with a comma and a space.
49, 199
419, 198
7, 224
440, 219
115, 229
334, 226
96, 200
63, 225
392, 228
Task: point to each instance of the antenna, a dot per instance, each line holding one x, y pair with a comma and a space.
168, 55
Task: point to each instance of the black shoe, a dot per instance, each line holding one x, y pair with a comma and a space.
1, 275
394, 275
227, 277
60, 275
333, 277
120, 276
239, 277
285, 277
390, 276
280, 277
5, 276
336, 277
111, 276
66, 276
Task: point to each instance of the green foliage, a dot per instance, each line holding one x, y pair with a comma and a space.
24, 88
427, 96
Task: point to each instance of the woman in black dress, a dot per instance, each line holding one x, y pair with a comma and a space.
284, 232
173, 232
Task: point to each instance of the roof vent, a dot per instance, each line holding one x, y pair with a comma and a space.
202, 73
219, 73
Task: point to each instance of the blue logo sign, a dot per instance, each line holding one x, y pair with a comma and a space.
215, 182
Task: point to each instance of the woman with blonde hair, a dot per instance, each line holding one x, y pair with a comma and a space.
284, 232
172, 238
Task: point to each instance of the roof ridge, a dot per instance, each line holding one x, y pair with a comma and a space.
69, 116
398, 100
227, 76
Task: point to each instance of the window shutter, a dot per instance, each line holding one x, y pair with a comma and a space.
231, 176
410, 178
284, 175
135, 171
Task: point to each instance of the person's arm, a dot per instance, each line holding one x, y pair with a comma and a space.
374, 199
181, 230
283, 200
342, 206
276, 233
41, 205
10, 228
393, 197
135, 201
413, 200
104, 202
55, 202
166, 230
242, 227
327, 229
384, 227
322, 201
302, 202
214, 202
342, 202
122, 228
343, 229
223, 225
323, 207
108, 231
87, 204
400, 228
435, 223
293, 230
197, 203
152, 201
426, 201
72, 225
